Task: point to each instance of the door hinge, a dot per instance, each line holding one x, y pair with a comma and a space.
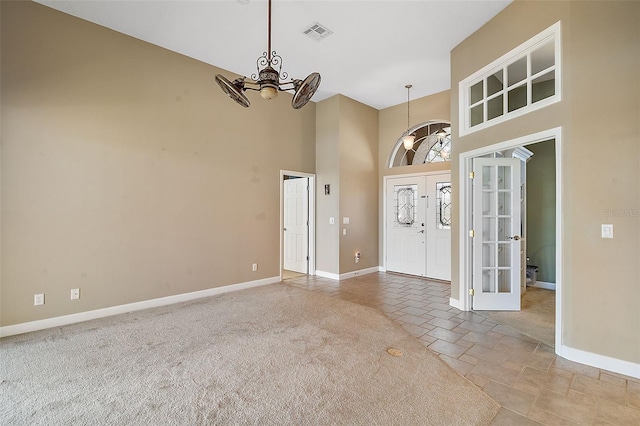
307, 258
472, 175
472, 292
472, 233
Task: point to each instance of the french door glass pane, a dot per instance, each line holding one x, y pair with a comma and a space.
489, 281
488, 255
504, 255
504, 177
488, 229
488, 177
504, 203
489, 203
504, 281
504, 229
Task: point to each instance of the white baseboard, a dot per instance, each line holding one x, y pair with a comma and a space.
456, 303
600, 361
347, 275
365, 271
382, 269
329, 275
26, 327
545, 285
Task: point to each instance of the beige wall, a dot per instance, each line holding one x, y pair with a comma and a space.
347, 159
392, 125
328, 173
127, 173
600, 108
358, 186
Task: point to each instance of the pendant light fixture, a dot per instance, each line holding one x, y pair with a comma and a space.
408, 139
269, 80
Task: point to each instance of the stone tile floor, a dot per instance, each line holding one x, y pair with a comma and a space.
533, 385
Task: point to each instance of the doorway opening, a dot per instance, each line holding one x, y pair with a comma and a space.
297, 226
467, 243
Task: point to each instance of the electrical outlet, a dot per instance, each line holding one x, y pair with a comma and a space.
75, 293
254, 267
38, 299
357, 257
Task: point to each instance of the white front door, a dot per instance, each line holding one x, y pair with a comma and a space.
418, 226
497, 234
438, 227
406, 202
296, 224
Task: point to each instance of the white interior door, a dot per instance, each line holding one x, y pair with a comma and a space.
438, 227
406, 201
296, 224
497, 234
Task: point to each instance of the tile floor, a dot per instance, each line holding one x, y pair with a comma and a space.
533, 385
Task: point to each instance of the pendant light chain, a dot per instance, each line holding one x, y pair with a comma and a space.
408, 86
408, 139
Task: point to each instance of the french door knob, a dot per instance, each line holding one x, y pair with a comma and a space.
515, 237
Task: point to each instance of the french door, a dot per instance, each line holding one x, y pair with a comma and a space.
496, 234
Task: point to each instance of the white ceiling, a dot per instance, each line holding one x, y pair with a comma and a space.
377, 46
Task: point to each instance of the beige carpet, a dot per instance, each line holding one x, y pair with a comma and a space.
274, 355
537, 317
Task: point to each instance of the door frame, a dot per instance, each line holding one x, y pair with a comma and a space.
385, 179
311, 216
465, 220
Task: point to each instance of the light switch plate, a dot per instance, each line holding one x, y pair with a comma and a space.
607, 230
345, 220
331, 221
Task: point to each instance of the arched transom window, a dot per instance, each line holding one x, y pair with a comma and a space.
432, 145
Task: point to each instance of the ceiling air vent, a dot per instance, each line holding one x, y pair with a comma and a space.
317, 31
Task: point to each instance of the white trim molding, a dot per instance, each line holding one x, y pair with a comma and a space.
311, 249
27, 327
456, 303
599, 361
464, 219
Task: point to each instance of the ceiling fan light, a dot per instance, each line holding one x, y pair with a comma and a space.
268, 92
